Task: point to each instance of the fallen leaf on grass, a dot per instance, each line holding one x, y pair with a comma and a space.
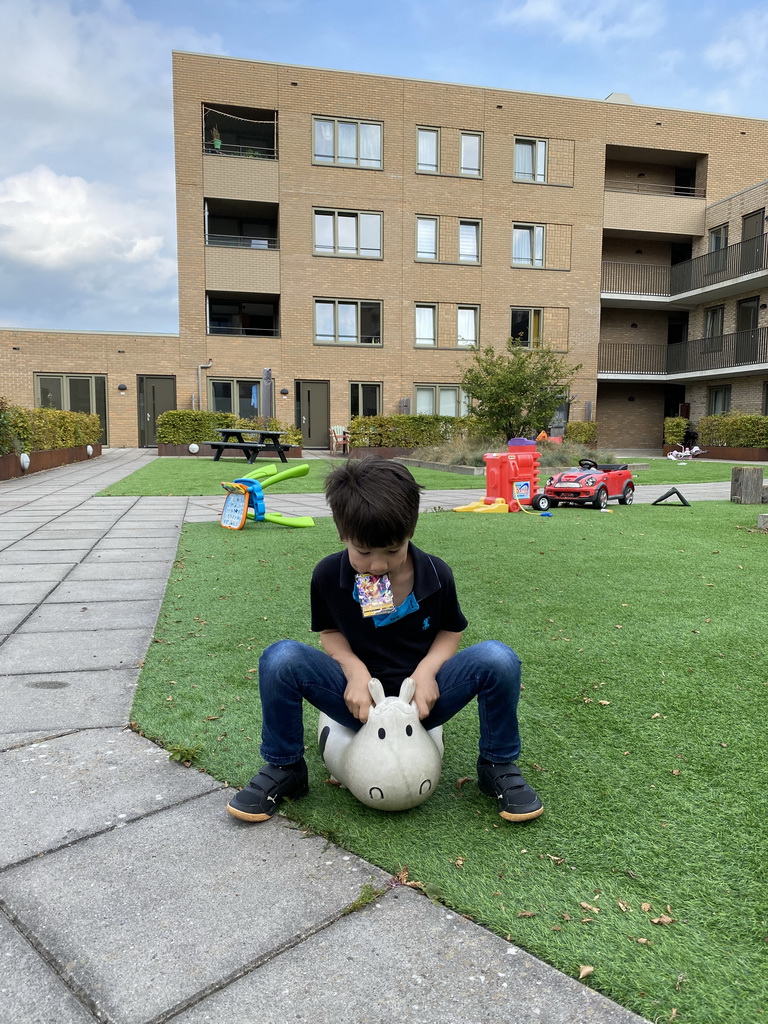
664, 919
675, 771
605, 703
673, 1015
588, 906
459, 862
586, 920
623, 906
656, 715
460, 782
585, 970
212, 718
527, 913
642, 942
567, 917
679, 983
646, 907
333, 782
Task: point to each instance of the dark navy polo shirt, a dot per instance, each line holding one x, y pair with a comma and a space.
391, 651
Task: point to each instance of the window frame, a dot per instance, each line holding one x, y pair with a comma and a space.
714, 394
713, 339
433, 342
432, 131
532, 311
538, 176
99, 402
466, 306
536, 231
359, 384
471, 135
436, 222
358, 303
462, 399
335, 160
477, 225
719, 233
234, 382
357, 214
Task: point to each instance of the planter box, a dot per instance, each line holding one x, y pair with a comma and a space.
383, 453
206, 452
730, 454
10, 466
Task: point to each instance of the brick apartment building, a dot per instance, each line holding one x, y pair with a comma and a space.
358, 235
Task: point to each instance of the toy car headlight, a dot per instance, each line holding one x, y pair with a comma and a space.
550, 481
589, 481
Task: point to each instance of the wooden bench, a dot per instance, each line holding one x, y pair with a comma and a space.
250, 449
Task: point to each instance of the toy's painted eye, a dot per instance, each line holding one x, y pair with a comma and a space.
409, 730
382, 733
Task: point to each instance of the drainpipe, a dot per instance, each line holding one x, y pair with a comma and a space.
201, 367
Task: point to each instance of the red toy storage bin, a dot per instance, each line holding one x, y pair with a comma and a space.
497, 480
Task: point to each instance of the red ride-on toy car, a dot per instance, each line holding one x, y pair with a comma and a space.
590, 484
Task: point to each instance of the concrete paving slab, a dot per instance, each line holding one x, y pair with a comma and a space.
131, 904
11, 615
23, 593
51, 702
134, 570
91, 591
30, 992
118, 555
62, 790
404, 959
101, 615
47, 539
76, 651
14, 740
134, 544
18, 572
63, 553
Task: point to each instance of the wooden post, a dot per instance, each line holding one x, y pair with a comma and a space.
747, 485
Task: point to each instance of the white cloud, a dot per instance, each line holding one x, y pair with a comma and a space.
593, 22
739, 56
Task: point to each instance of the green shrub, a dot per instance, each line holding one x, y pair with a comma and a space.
674, 429
8, 438
195, 426
734, 430
402, 431
463, 451
581, 432
38, 430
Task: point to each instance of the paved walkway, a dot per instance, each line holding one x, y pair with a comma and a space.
129, 896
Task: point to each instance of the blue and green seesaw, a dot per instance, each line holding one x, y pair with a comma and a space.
245, 498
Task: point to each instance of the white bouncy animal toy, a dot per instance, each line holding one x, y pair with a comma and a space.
392, 762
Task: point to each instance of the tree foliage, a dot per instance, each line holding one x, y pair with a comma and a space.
517, 392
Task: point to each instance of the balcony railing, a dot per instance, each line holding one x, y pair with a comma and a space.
227, 149
650, 188
743, 348
242, 241
729, 264
254, 332
635, 279
734, 261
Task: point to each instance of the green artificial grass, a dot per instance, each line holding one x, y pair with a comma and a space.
642, 634
186, 476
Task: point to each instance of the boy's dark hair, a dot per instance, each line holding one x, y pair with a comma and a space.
373, 501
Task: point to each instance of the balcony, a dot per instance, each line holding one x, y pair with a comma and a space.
743, 351
241, 246
660, 211
253, 316
737, 268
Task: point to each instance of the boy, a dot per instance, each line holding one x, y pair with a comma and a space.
375, 506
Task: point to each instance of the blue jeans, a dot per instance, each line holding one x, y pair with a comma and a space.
290, 672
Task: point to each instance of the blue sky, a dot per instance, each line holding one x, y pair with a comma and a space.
87, 220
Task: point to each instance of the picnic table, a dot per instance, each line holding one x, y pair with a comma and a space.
239, 438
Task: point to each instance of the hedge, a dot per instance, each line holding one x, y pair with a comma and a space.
581, 432
402, 431
734, 430
675, 428
39, 430
188, 426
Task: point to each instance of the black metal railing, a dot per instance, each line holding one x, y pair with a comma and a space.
635, 279
743, 348
254, 332
241, 241
651, 188
254, 152
747, 257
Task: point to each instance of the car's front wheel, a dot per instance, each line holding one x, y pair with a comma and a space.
601, 498
540, 502
627, 495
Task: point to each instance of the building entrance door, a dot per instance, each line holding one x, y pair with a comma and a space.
312, 403
746, 331
155, 396
752, 227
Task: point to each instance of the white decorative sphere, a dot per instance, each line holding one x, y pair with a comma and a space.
194, 448
24, 460
89, 450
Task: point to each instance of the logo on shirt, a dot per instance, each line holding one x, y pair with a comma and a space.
425, 623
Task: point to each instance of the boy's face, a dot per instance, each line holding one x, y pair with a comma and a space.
378, 561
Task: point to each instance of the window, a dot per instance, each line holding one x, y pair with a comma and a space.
469, 241
428, 158
347, 322
342, 233
718, 399
531, 160
713, 329
528, 245
471, 154
347, 143
426, 326
718, 238
467, 326
364, 399
440, 399
75, 393
525, 328
426, 238
238, 396
257, 319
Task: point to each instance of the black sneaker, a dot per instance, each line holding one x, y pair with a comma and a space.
259, 800
517, 800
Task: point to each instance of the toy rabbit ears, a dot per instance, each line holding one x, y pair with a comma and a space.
376, 690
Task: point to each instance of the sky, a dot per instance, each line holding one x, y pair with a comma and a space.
87, 214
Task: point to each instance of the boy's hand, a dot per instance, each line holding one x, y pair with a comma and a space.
357, 697
426, 693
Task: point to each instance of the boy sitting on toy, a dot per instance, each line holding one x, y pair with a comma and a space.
375, 506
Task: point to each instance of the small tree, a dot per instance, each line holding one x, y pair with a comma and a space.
518, 391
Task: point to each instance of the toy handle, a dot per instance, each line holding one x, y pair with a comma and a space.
300, 470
